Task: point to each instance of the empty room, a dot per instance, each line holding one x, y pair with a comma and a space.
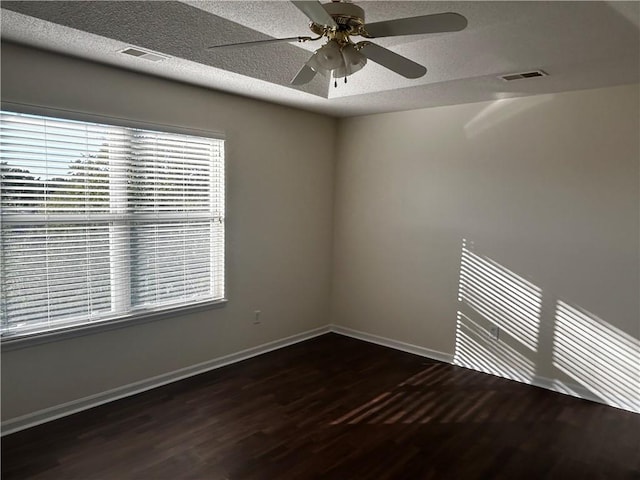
303, 240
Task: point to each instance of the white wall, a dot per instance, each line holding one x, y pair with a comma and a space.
544, 191
279, 224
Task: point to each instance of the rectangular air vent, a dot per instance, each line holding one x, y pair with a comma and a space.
517, 76
146, 54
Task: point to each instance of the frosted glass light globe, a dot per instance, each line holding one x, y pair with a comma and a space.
329, 56
353, 61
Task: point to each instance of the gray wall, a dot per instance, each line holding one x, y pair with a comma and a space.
279, 224
543, 191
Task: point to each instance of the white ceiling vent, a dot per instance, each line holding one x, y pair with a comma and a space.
517, 76
146, 54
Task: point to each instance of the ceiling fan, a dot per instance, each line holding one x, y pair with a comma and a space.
340, 56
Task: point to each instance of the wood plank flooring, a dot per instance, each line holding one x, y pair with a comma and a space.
334, 408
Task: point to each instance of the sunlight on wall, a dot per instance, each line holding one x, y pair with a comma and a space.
501, 296
476, 350
500, 111
601, 357
602, 362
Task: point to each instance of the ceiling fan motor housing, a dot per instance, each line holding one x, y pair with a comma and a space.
348, 16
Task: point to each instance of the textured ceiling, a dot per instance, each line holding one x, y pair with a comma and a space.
580, 44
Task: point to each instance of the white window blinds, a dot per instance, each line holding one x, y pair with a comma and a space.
100, 222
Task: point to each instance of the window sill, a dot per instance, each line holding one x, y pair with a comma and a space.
18, 341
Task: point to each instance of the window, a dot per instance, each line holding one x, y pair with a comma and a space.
100, 222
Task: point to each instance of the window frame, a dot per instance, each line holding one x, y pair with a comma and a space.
18, 341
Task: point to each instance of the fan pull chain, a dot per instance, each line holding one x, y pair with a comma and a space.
335, 82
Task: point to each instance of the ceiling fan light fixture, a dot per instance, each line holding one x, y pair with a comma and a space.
340, 60
353, 61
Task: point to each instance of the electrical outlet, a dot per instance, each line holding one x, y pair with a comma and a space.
494, 332
256, 318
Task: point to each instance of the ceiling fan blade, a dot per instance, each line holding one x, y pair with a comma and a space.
388, 59
437, 23
316, 12
305, 75
261, 42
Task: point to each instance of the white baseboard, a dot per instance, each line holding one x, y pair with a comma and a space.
387, 342
572, 389
52, 413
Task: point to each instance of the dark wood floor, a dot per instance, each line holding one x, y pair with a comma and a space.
334, 408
